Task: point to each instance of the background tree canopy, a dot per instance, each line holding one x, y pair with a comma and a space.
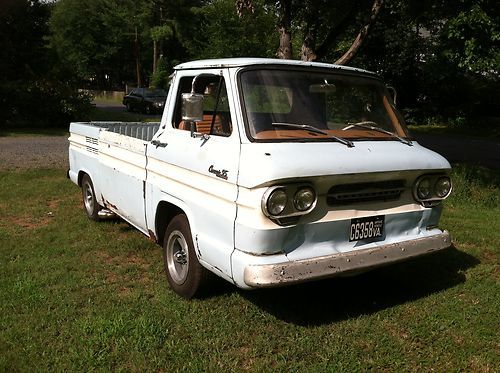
443, 56
34, 87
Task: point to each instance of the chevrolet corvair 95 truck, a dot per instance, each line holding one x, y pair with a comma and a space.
267, 173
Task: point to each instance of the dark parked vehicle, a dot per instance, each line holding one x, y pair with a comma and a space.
145, 100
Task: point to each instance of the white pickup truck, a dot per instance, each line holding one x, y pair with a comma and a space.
266, 173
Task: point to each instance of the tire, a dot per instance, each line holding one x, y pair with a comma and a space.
185, 275
148, 110
90, 204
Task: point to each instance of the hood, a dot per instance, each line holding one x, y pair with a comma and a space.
262, 163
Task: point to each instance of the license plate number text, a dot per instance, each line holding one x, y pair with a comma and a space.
366, 228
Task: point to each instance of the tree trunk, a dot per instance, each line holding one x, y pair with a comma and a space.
308, 50
335, 32
137, 59
155, 55
284, 29
363, 33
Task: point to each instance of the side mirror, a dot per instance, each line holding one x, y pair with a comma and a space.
192, 107
393, 93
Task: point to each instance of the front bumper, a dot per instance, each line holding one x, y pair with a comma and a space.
270, 275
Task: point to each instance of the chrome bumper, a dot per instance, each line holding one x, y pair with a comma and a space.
269, 275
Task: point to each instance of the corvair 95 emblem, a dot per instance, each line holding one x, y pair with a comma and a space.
219, 173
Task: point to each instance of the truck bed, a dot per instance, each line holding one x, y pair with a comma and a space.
113, 154
139, 130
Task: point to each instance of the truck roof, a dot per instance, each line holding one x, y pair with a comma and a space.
241, 62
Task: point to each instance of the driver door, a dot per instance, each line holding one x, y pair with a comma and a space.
199, 166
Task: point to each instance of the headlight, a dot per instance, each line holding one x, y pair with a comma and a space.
431, 189
284, 204
442, 187
276, 202
304, 198
424, 189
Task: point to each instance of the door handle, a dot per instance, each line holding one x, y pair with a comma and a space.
158, 144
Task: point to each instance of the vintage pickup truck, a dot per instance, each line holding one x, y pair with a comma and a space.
267, 173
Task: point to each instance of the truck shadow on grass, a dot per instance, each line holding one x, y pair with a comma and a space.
323, 302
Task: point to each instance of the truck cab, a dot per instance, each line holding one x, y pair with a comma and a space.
267, 173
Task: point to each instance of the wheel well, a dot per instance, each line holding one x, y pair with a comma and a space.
165, 212
81, 174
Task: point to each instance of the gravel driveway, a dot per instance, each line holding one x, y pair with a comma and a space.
33, 152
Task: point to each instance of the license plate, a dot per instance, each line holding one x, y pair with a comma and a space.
366, 228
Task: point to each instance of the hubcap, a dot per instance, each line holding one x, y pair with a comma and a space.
177, 257
88, 198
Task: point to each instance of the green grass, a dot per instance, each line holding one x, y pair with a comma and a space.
14, 132
108, 99
103, 114
80, 295
481, 128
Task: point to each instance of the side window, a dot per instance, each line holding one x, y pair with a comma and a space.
216, 114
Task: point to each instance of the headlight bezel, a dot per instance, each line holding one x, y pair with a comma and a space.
290, 210
433, 198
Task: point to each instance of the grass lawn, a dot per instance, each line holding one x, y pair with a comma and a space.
18, 132
488, 127
80, 295
120, 115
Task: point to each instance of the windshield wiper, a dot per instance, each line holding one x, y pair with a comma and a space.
378, 129
307, 127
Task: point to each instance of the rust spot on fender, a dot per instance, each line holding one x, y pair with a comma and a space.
107, 204
152, 236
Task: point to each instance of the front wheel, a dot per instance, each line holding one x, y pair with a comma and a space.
185, 275
89, 200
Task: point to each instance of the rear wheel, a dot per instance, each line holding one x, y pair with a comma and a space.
185, 275
89, 200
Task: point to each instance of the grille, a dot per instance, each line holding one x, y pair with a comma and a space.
345, 194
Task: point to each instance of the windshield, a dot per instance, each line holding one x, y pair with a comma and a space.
284, 105
155, 93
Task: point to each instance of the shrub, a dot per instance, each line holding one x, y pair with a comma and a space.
475, 186
41, 103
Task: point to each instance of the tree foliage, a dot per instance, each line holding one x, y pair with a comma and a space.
225, 34
309, 29
442, 55
445, 64
34, 90
110, 41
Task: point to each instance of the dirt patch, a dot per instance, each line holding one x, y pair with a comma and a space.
28, 222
